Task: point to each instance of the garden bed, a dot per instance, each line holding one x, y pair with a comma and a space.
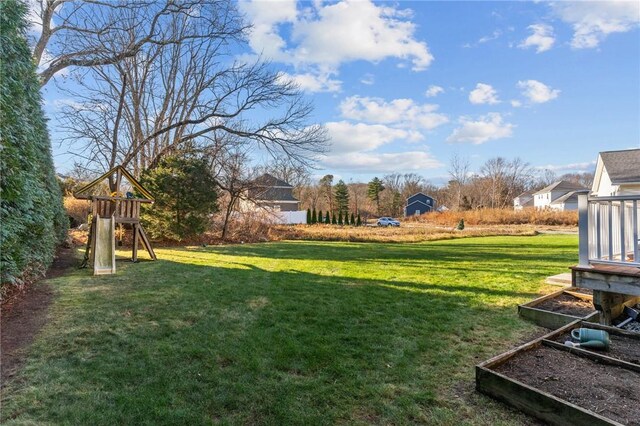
569, 386
560, 308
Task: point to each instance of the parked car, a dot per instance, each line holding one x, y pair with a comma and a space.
388, 221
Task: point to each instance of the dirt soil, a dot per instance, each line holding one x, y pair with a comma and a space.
610, 391
622, 347
25, 313
567, 304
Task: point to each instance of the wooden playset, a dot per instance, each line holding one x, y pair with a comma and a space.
107, 211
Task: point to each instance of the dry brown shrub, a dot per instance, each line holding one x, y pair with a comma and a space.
77, 210
501, 217
408, 233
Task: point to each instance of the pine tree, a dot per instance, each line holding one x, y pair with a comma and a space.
342, 197
319, 216
374, 188
359, 221
314, 217
353, 219
327, 218
177, 214
339, 218
460, 226
308, 216
334, 221
346, 218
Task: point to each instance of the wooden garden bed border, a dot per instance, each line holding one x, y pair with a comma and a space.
536, 402
551, 319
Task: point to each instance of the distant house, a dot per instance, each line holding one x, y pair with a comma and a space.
523, 200
419, 203
273, 194
617, 173
561, 195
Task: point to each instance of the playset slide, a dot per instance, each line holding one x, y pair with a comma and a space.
105, 246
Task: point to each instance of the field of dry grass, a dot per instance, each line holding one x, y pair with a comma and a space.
407, 233
428, 227
501, 217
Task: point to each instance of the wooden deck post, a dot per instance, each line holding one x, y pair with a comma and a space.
583, 230
134, 255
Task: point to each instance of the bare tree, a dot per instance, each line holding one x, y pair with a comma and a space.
545, 178
93, 33
186, 90
504, 180
234, 178
326, 187
459, 169
412, 184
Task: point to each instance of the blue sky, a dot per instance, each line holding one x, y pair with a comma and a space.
402, 86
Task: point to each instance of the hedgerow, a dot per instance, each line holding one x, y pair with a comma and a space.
31, 212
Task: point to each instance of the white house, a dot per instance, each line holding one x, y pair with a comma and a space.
617, 173
273, 200
523, 200
561, 195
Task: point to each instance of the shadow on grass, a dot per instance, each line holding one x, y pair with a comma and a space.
512, 249
174, 342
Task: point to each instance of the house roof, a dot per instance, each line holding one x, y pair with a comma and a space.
269, 180
561, 185
418, 201
271, 194
420, 194
622, 166
569, 197
526, 194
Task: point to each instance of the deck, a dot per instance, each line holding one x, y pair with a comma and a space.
609, 247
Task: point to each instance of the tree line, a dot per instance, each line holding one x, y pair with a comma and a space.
493, 185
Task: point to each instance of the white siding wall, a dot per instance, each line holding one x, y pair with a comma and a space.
542, 201
605, 188
519, 202
293, 217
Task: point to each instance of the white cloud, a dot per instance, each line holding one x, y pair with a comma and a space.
493, 36
324, 36
593, 21
496, 34
516, 103
572, 167
537, 92
483, 94
368, 79
383, 162
433, 91
315, 82
542, 38
401, 112
360, 137
486, 128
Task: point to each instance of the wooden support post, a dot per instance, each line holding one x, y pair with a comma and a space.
134, 256
146, 243
88, 250
611, 305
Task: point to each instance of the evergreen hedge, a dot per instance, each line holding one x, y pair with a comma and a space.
31, 211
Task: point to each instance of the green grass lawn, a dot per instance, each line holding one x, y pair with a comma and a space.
284, 333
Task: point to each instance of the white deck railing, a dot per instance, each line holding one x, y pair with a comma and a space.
609, 229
